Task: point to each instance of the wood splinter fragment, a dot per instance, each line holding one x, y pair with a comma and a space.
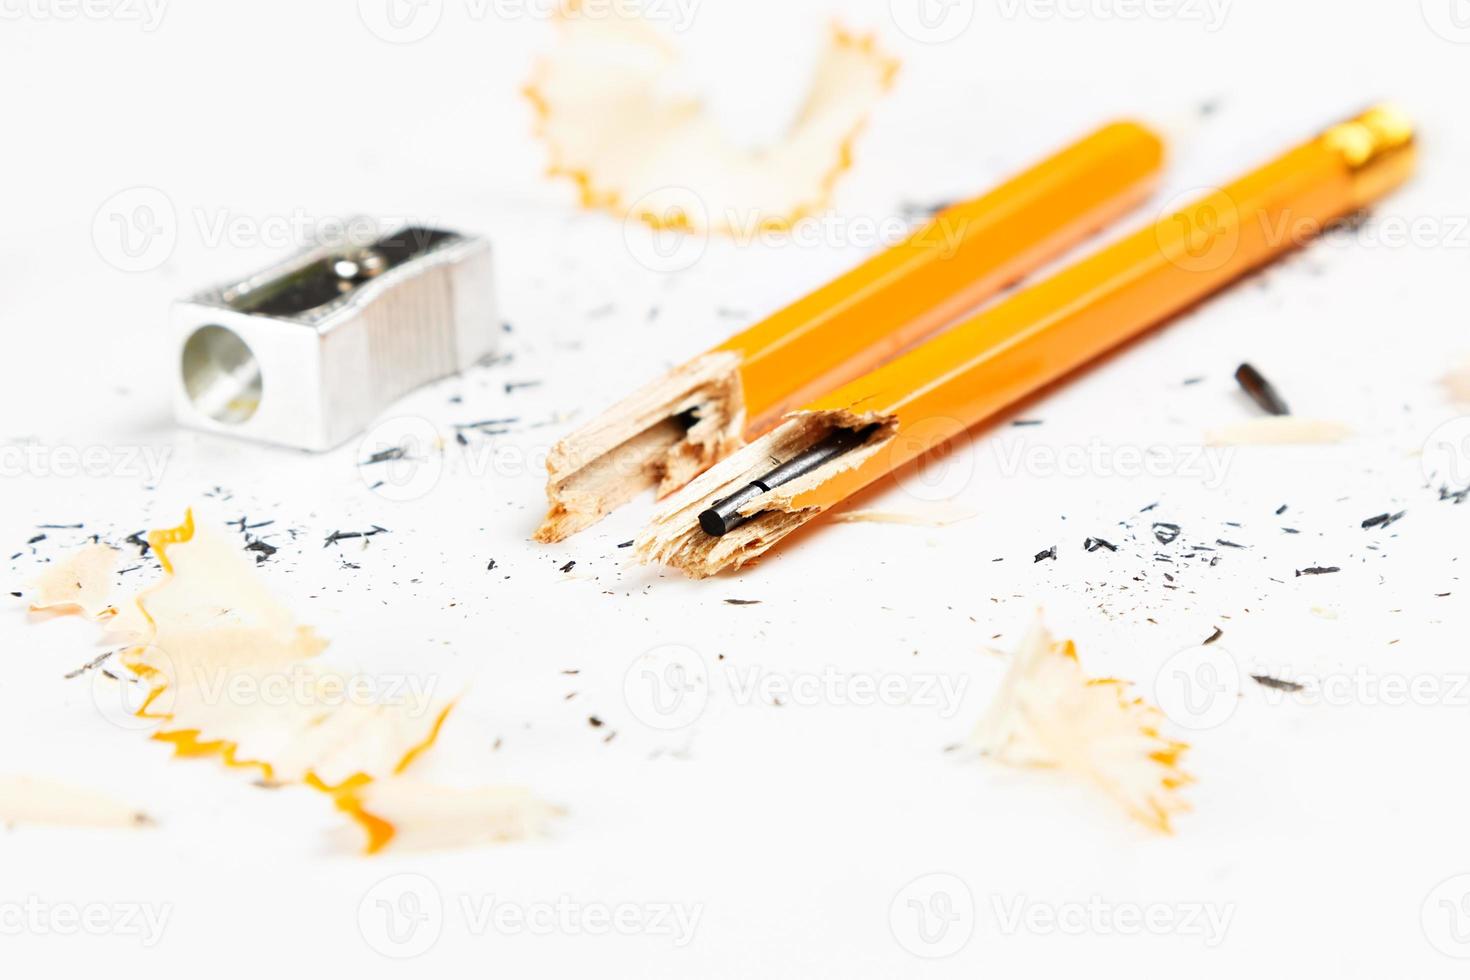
675, 536
660, 437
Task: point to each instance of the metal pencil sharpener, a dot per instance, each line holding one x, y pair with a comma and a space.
308, 352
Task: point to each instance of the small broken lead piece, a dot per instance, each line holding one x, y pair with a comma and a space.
1261, 391
724, 515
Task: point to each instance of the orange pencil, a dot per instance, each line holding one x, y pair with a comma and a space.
846, 440
671, 430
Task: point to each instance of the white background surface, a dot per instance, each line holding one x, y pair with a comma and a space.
1323, 826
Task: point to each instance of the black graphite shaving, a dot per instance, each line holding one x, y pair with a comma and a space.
90, 665
1383, 520
1166, 533
59, 527
1044, 555
261, 549
1262, 392
743, 602
137, 540
1096, 544
1213, 636
1276, 683
511, 387
569, 566
488, 424
1227, 544
1318, 570
626, 544
389, 455
37, 539
913, 211
336, 536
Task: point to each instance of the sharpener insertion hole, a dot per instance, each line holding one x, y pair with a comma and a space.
221, 375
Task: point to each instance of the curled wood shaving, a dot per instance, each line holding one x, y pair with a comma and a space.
415, 815
81, 583
231, 675
41, 802
617, 120
1049, 713
1279, 430
1457, 383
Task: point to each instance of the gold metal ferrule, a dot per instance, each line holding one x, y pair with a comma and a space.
1379, 149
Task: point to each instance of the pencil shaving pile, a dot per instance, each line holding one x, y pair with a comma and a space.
1048, 713
209, 630
617, 122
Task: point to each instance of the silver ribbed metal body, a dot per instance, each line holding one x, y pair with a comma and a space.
308, 352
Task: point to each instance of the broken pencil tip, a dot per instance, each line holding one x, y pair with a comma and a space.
724, 515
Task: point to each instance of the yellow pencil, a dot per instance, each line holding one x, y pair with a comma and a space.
846, 440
